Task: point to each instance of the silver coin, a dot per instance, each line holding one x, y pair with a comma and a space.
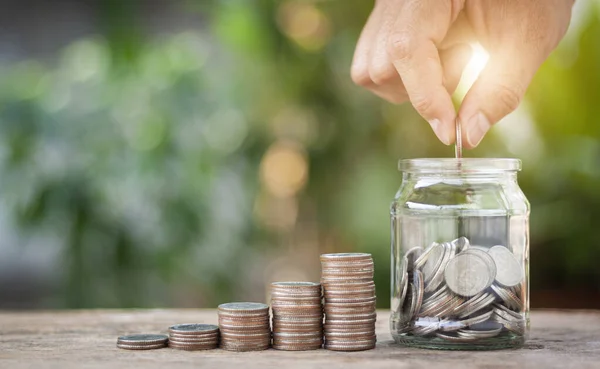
432, 304
450, 337
345, 257
479, 247
485, 301
420, 290
403, 293
488, 260
460, 309
510, 299
478, 319
458, 145
294, 284
193, 328
478, 334
189, 340
467, 274
513, 326
424, 330
409, 307
440, 293
125, 346
447, 309
514, 314
438, 275
410, 258
510, 317
462, 244
509, 272
430, 260
432, 307
143, 339
243, 306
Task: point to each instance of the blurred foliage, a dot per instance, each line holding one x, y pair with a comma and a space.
191, 169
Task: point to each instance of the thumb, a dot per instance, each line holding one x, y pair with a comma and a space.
497, 92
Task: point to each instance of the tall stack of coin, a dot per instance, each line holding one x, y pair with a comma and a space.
193, 337
142, 341
244, 326
297, 316
350, 299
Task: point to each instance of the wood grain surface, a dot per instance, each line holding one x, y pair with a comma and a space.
87, 339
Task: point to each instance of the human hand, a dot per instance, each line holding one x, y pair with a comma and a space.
416, 50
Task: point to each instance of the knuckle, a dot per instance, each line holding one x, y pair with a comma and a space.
397, 98
382, 73
400, 45
509, 96
423, 105
360, 75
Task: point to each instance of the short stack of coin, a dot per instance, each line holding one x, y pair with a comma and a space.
193, 337
297, 315
350, 301
142, 341
244, 326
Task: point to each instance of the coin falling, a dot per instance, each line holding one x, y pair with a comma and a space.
458, 145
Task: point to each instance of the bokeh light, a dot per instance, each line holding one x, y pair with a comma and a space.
284, 169
304, 23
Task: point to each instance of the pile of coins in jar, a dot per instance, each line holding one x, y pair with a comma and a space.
346, 294
460, 292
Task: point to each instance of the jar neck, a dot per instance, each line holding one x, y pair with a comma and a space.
498, 176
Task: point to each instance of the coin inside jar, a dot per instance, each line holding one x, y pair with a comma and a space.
467, 274
509, 272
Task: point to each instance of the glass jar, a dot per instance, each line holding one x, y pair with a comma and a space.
460, 255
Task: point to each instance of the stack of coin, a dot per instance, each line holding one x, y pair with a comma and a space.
460, 292
297, 316
142, 341
244, 326
350, 300
193, 337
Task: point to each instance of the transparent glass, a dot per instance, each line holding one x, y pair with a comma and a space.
460, 255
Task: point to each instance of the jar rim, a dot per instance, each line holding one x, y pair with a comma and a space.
445, 165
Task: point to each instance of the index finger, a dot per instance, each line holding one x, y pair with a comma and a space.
416, 58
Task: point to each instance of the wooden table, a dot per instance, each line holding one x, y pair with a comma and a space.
86, 339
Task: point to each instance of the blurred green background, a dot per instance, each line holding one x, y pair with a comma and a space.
158, 153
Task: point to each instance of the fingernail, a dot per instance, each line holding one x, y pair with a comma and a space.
476, 128
439, 131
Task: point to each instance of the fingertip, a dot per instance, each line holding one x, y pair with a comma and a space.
441, 131
474, 129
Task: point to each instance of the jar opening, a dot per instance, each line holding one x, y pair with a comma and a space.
452, 165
